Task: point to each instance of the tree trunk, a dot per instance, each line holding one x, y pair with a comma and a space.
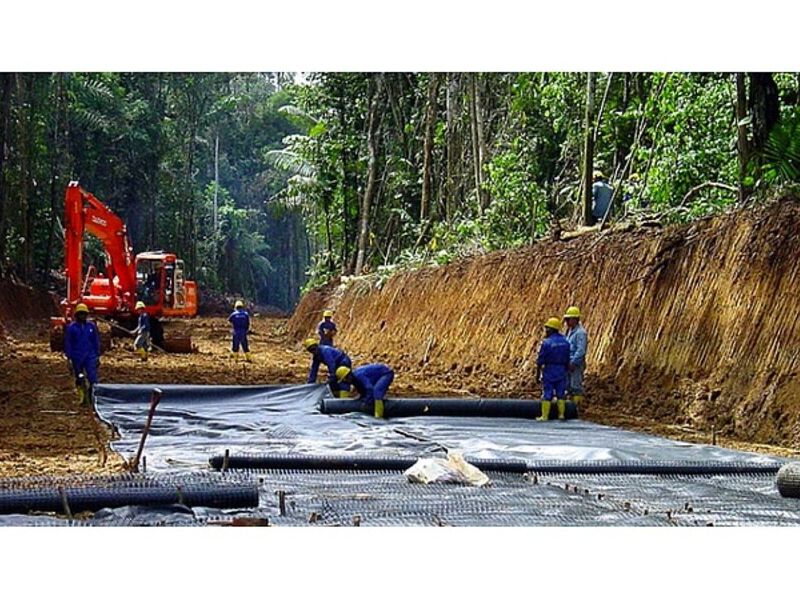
453, 146
188, 219
5, 112
55, 164
216, 182
24, 91
483, 153
426, 204
473, 129
765, 109
742, 143
349, 186
765, 106
588, 151
372, 175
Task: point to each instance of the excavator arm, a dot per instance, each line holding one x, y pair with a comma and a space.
84, 213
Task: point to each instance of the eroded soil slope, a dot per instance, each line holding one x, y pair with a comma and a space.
694, 328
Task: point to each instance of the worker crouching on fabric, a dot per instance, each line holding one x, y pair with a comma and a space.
141, 345
332, 358
578, 343
240, 321
326, 329
371, 382
551, 368
82, 347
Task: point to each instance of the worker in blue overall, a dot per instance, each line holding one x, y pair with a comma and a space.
240, 321
578, 342
332, 358
553, 362
141, 345
326, 329
371, 382
82, 347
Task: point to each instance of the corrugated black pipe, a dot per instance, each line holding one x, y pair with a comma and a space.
655, 468
349, 463
451, 407
788, 480
93, 499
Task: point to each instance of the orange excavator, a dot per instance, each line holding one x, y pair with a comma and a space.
155, 278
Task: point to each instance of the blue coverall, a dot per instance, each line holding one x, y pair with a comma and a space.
241, 327
372, 382
333, 359
143, 332
82, 347
554, 357
601, 198
578, 342
324, 328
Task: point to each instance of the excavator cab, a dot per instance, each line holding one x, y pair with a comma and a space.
161, 284
150, 281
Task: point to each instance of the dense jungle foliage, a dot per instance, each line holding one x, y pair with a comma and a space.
268, 182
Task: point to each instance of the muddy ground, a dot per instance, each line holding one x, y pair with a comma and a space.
43, 431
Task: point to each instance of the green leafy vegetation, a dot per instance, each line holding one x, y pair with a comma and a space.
265, 183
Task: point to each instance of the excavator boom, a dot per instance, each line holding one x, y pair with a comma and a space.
85, 213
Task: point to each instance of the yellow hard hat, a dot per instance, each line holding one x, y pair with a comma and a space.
342, 372
139, 305
553, 323
598, 175
238, 304
327, 313
81, 308
573, 312
309, 342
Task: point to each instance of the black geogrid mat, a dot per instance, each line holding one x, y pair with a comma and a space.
194, 423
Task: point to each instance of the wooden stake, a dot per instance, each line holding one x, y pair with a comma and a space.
65, 502
154, 400
226, 459
282, 502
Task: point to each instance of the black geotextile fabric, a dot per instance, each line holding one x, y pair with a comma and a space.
195, 423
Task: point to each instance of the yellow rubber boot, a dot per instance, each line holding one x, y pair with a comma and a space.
378, 409
545, 411
562, 409
247, 357
576, 398
80, 392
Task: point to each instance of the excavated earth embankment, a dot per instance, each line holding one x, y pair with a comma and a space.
695, 327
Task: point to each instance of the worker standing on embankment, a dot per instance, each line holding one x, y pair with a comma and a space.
82, 347
553, 359
240, 321
141, 345
371, 382
326, 329
602, 193
332, 358
578, 344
